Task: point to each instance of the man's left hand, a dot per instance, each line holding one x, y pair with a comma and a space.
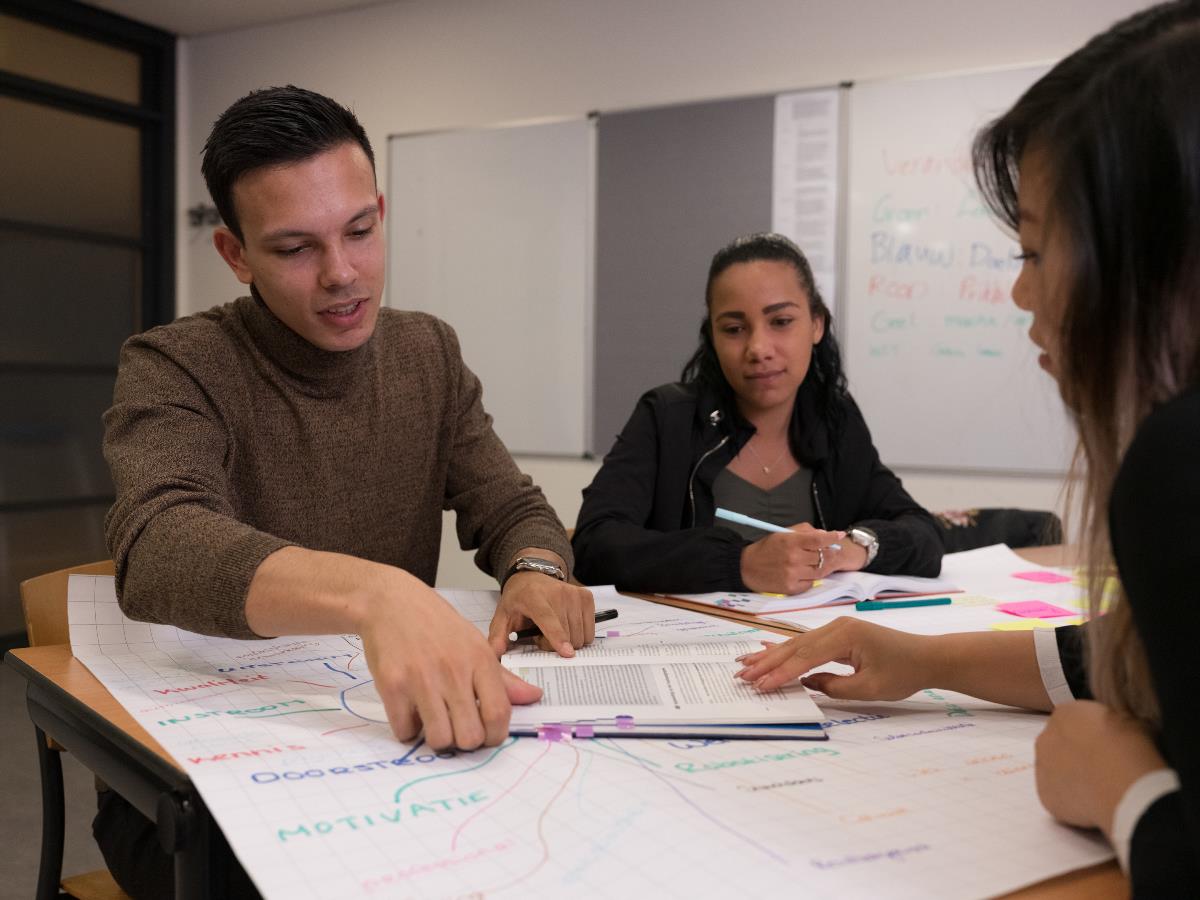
565, 613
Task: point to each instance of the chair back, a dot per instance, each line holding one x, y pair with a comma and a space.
967, 529
44, 601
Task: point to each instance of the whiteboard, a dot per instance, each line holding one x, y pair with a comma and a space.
491, 230
938, 355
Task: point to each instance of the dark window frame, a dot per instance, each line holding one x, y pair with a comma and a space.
154, 116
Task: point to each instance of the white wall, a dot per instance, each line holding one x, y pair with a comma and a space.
429, 64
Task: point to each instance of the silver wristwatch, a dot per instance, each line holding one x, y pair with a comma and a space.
865, 538
534, 564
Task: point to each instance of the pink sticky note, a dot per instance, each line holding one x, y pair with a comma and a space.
1042, 577
613, 634
1034, 609
584, 731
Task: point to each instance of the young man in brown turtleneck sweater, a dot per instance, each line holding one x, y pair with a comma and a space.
282, 462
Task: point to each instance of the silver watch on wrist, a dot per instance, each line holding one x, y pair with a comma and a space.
534, 564
865, 538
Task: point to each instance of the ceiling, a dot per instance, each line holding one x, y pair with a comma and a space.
189, 17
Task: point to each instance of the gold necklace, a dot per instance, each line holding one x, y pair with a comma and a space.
767, 468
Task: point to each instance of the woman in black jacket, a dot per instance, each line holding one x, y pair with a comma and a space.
761, 424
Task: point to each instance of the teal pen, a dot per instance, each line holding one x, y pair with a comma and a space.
730, 516
868, 605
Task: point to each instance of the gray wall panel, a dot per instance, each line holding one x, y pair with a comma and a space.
674, 184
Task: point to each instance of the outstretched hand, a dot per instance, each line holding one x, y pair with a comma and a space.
887, 663
435, 672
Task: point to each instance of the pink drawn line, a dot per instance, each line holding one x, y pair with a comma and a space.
507, 791
639, 631
328, 687
701, 810
540, 832
347, 728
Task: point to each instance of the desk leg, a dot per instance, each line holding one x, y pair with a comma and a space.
53, 819
186, 829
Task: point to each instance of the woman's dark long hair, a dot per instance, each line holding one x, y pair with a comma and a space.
825, 383
1114, 130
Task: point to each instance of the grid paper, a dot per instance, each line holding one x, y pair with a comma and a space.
285, 739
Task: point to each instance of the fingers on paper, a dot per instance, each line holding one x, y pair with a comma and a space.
776, 666
402, 717
495, 707
434, 715
577, 610
466, 722
757, 665
587, 613
498, 632
556, 632
519, 691
776, 672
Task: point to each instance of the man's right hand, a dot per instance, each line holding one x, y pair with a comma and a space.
432, 668
435, 671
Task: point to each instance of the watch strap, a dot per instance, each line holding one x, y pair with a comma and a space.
534, 564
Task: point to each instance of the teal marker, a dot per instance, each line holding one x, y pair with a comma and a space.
868, 605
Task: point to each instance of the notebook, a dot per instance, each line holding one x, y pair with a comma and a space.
661, 690
840, 587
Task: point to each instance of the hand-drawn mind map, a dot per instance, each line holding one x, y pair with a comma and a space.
286, 740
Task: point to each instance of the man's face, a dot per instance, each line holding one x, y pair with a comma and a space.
312, 245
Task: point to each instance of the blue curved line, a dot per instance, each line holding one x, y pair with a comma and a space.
414, 748
404, 787
346, 706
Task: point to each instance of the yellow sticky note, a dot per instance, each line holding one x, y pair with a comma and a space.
1031, 624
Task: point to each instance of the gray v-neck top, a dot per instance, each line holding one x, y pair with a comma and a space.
788, 503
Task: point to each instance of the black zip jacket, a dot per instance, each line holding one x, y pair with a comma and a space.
647, 518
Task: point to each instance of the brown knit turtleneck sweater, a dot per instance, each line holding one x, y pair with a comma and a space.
230, 436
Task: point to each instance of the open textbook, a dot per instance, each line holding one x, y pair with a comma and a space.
840, 587
656, 690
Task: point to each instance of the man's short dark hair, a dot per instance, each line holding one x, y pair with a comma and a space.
271, 127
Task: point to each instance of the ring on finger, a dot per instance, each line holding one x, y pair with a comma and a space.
820, 558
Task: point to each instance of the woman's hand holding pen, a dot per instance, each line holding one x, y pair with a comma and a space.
888, 664
789, 562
